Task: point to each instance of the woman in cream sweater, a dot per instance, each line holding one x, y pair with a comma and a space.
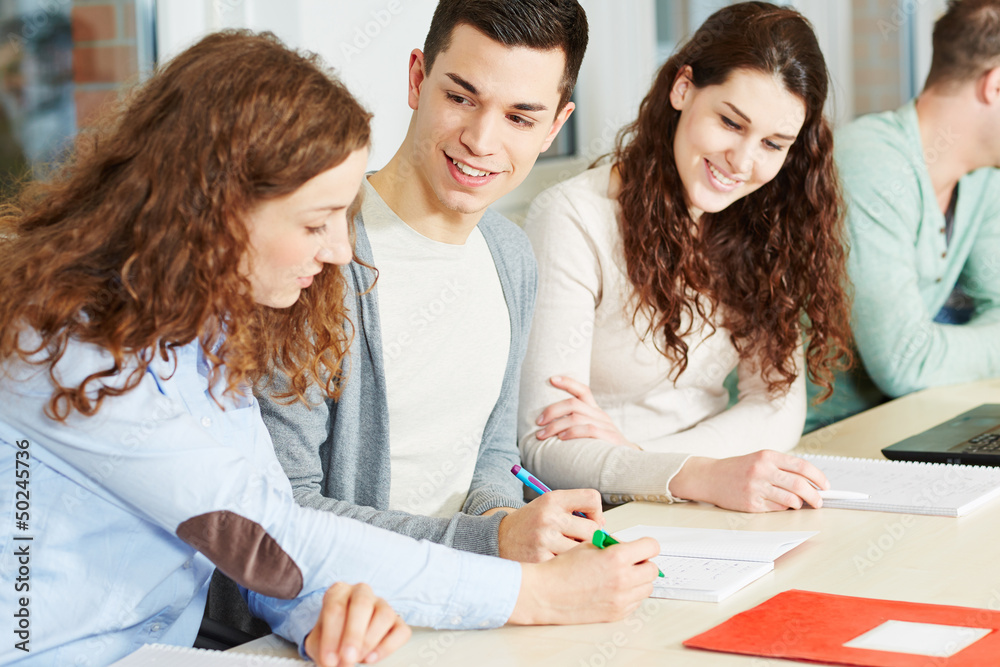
707, 243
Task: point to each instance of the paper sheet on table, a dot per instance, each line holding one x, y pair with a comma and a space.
930, 639
749, 545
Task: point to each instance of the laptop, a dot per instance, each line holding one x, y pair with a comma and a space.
971, 438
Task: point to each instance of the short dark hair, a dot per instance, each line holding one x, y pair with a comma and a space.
966, 41
536, 24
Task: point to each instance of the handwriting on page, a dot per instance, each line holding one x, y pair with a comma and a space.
903, 486
707, 573
704, 579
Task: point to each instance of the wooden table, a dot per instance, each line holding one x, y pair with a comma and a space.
871, 554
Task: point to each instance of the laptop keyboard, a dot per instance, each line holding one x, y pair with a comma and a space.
984, 443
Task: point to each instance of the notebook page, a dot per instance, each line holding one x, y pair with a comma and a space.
909, 487
161, 655
704, 579
749, 545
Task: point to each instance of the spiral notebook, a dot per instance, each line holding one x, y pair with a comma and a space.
161, 655
909, 487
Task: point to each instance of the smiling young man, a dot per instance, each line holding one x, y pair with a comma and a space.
423, 437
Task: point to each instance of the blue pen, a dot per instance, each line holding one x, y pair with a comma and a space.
529, 480
535, 485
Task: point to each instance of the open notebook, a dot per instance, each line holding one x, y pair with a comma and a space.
709, 565
909, 487
161, 655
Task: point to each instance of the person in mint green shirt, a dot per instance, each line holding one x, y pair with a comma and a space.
922, 187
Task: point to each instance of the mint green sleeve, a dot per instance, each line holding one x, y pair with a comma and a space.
902, 348
981, 275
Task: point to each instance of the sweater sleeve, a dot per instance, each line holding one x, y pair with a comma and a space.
981, 275
902, 348
570, 289
757, 421
300, 432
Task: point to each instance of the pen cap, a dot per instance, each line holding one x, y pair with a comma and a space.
601, 539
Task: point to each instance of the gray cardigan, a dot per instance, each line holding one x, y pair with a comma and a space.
336, 454
351, 435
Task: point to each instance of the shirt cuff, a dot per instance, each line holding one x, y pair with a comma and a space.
291, 619
642, 476
484, 592
671, 498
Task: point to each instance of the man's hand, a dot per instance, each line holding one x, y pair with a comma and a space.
546, 527
354, 626
765, 481
587, 584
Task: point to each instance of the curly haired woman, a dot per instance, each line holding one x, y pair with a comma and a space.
707, 243
184, 251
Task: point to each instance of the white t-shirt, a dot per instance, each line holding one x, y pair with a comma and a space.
445, 342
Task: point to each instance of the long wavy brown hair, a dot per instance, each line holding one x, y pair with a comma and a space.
135, 244
771, 257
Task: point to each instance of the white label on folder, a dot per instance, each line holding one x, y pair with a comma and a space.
930, 639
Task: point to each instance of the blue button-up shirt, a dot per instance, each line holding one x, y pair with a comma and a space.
106, 494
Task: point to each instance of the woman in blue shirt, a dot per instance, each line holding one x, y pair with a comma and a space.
164, 268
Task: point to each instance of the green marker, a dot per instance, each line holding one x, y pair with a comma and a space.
601, 539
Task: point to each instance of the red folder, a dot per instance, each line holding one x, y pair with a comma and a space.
800, 625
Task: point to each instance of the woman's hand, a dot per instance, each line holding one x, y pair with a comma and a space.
765, 481
354, 626
578, 417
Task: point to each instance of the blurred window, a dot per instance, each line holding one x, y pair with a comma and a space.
61, 61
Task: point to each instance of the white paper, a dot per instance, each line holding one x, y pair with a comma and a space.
704, 579
751, 545
930, 639
908, 486
160, 655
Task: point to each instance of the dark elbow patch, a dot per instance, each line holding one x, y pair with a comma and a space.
244, 551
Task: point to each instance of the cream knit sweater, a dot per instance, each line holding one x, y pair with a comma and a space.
583, 329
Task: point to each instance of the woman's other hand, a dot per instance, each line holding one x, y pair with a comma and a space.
764, 481
578, 417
